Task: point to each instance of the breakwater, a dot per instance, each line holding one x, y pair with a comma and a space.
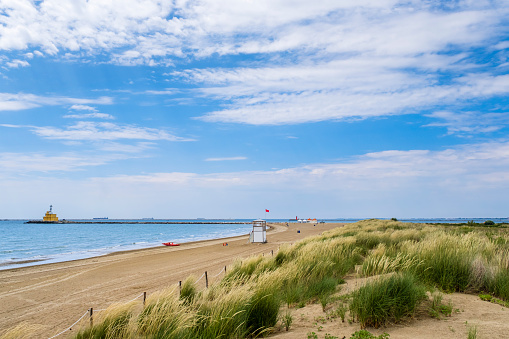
138, 222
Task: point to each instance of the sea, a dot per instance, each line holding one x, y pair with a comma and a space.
24, 244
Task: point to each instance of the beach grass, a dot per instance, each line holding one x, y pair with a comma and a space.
388, 298
404, 259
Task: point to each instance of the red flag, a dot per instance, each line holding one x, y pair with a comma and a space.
266, 210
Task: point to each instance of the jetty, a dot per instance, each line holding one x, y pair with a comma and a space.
134, 222
51, 218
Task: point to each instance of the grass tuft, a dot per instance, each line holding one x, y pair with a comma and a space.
386, 299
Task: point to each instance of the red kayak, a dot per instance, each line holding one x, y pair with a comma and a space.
170, 244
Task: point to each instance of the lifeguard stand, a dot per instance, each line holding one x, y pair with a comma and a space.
259, 232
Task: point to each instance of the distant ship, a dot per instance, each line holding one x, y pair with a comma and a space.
104, 218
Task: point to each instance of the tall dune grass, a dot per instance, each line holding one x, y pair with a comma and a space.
246, 302
388, 298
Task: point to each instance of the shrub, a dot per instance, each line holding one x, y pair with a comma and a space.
489, 223
390, 298
485, 297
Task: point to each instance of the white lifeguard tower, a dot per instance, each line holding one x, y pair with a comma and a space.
259, 232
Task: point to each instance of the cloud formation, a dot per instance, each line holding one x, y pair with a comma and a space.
474, 166
331, 60
96, 131
22, 101
226, 159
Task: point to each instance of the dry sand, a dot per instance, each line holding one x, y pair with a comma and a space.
53, 296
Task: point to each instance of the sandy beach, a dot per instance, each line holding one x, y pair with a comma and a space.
53, 296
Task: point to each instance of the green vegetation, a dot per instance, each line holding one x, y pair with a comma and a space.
363, 334
409, 258
472, 332
437, 308
287, 320
386, 299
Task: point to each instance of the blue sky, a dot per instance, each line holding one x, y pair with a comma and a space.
225, 108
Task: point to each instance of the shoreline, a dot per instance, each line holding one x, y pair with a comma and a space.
53, 296
39, 262
140, 222
273, 228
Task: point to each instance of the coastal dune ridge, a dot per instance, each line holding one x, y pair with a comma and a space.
53, 296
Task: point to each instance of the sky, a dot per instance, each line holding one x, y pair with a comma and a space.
225, 108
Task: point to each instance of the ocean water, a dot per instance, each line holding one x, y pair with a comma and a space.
34, 244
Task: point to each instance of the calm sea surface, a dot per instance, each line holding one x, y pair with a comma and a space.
33, 244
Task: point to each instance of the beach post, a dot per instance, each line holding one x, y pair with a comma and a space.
206, 280
272, 252
91, 317
180, 286
144, 298
225, 270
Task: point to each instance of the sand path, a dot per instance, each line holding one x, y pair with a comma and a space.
53, 296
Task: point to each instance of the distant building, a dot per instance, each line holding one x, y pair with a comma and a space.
49, 215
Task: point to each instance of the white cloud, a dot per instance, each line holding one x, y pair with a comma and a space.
469, 122
89, 115
469, 166
143, 31
83, 108
226, 159
92, 131
22, 101
21, 163
16, 63
467, 181
124, 148
99, 131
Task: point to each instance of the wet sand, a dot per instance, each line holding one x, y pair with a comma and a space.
53, 296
